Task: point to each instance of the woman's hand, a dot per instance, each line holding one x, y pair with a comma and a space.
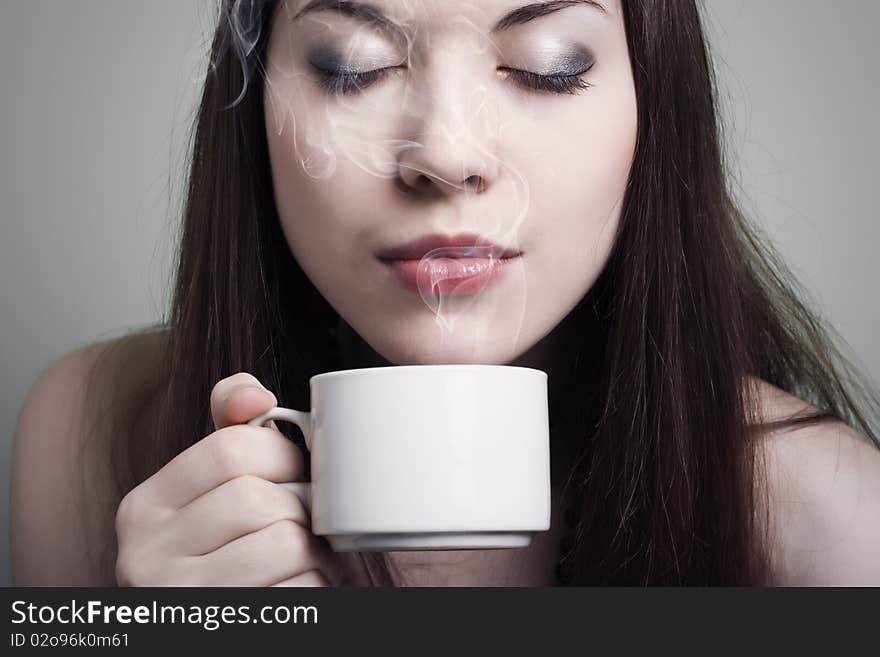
215, 516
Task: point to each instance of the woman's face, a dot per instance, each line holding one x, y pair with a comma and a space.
442, 124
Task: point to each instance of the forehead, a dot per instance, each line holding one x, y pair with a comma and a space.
495, 15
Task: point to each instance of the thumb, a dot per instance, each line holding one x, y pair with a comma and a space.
238, 399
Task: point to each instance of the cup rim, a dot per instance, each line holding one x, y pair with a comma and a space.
397, 368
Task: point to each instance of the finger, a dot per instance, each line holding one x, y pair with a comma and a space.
223, 455
310, 578
237, 507
239, 398
280, 551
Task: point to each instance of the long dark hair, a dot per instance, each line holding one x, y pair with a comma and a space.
660, 431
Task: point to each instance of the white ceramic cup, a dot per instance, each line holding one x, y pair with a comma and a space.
425, 457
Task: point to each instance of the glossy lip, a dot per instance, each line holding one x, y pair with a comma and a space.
449, 277
416, 249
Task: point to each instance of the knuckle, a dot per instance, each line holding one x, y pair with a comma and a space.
252, 492
229, 449
128, 510
292, 536
301, 515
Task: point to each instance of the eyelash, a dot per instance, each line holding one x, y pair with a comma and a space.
353, 83
561, 84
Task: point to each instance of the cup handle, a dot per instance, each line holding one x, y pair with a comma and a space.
299, 418
302, 489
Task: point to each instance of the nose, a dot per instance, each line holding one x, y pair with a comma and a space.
453, 145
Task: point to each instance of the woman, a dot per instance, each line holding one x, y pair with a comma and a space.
703, 430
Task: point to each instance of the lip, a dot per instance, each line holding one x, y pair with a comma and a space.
459, 265
449, 276
417, 248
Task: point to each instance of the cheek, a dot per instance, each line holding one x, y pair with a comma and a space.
346, 144
310, 167
580, 172
579, 176
300, 141
323, 139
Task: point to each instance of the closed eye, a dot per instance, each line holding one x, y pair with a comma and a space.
342, 82
556, 83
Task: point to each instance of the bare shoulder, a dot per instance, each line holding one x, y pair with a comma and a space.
62, 491
823, 487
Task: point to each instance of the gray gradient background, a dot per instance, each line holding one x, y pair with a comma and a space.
98, 96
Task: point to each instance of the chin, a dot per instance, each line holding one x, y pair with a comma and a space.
419, 338
452, 352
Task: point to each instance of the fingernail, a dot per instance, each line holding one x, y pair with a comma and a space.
241, 388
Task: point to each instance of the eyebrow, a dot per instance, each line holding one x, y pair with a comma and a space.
367, 13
